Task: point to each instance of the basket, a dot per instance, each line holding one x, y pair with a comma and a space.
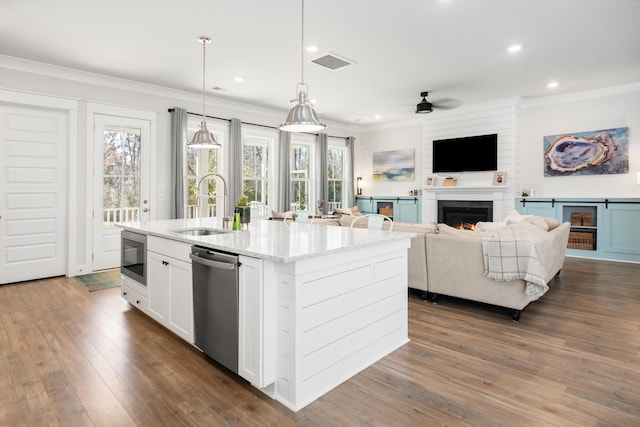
582, 240
581, 219
386, 211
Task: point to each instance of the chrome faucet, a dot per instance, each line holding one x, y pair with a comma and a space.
224, 199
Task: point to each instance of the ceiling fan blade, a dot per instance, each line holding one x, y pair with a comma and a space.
447, 103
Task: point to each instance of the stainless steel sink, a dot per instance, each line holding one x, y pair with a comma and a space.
200, 231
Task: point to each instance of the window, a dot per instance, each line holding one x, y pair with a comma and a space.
302, 172
257, 159
338, 166
208, 200
336, 157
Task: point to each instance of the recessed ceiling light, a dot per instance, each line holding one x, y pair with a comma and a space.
238, 79
552, 85
514, 48
312, 49
313, 101
377, 117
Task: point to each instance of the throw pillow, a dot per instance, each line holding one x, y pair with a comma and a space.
551, 222
538, 221
514, 216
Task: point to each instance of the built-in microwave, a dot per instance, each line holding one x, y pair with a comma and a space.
134, 256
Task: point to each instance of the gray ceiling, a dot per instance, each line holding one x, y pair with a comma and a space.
455, 49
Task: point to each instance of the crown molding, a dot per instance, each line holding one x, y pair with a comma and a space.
56, 71
581, 96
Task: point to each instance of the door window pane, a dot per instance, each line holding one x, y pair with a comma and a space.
121, 174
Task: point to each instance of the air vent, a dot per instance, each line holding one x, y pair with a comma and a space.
331, 61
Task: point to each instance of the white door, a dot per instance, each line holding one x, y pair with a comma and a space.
120, 179
33, 197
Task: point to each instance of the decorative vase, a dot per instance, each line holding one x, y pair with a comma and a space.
245, 214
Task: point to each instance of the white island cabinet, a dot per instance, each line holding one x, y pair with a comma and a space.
170, 290
316, 304
256, 323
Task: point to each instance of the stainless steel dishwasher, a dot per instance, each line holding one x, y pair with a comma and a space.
215, 304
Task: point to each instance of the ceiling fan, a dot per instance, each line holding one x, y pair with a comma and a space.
425, 106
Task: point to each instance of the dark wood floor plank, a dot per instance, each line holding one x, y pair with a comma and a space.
70, 357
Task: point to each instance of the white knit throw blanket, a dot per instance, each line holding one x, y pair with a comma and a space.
515, 252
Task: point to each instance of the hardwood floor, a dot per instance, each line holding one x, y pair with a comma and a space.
69, 357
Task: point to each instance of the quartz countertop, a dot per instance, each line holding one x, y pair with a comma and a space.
270, 240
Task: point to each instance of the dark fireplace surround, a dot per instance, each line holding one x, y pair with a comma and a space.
464, 213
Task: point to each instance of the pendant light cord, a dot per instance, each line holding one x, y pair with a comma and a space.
302, 47
204, 65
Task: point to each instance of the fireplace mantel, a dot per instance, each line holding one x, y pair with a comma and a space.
431, 195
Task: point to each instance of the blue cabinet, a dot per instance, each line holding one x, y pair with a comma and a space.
365, 204
400, 209
600, 228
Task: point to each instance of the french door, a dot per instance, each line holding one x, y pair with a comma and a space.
33, 195
120, 182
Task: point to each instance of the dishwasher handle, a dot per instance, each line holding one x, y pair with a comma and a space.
211, 263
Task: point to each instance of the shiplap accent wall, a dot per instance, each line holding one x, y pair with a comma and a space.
501, 118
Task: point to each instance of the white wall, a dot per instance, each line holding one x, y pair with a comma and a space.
406, 135
561, 115
524, 128
31, 77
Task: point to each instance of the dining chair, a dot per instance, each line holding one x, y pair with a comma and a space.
300, 217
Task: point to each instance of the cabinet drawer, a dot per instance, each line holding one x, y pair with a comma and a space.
134, 298
177, 250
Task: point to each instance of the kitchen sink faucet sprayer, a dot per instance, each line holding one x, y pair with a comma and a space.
224, 199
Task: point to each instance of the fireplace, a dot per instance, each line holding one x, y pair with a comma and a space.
464, 213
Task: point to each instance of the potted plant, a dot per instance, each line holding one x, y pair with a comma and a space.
245, 210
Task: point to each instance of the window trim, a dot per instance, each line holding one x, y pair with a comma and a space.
298, 140
269, 137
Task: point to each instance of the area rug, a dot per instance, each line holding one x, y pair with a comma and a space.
99, 281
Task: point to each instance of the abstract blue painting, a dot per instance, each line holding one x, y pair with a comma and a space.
396, 165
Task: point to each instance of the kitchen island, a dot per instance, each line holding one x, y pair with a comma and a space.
317, 304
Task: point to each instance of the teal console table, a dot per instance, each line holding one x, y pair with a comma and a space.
600, 228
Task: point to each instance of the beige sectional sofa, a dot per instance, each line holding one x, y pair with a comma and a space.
455, 267
451, 262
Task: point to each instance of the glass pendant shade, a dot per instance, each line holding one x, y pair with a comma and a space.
302, 117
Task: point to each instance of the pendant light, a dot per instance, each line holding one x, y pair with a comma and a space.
203, 138
302, 117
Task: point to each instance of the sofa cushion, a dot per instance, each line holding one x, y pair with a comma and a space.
488, 227
447, 229
409, 227
353, 211
280, 215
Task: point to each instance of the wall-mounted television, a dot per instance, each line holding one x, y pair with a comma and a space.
467, 154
